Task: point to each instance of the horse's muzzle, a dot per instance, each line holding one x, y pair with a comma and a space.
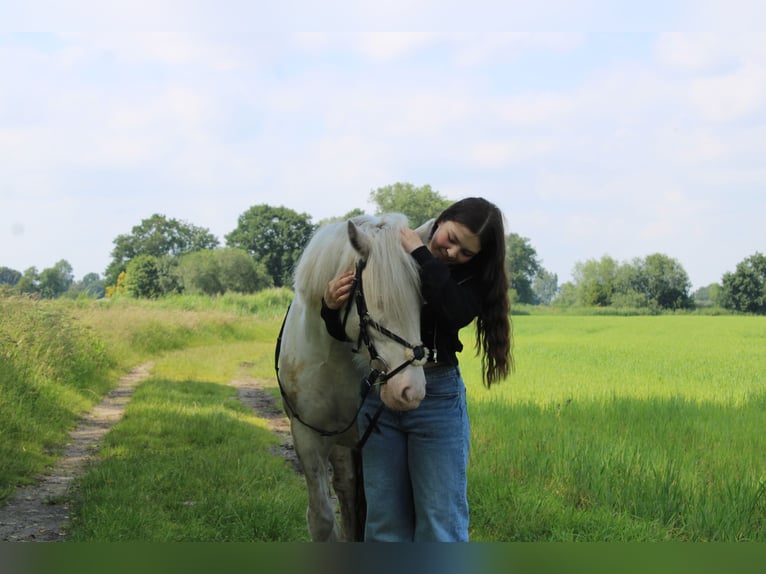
405, 391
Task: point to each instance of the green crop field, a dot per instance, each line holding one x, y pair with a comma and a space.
623, 428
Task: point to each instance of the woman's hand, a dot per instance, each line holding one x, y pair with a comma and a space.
410, 239
338, 290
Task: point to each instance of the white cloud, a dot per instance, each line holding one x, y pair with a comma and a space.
504, 153
695, 52
536, 108
732, 96
484, 48
390, 45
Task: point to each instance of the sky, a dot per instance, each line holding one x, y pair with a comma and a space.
622, 138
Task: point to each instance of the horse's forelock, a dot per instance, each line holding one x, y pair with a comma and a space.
392, 275
393, 279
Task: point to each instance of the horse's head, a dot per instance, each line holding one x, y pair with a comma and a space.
387, 305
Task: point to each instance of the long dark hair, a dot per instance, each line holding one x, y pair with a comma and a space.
494, 337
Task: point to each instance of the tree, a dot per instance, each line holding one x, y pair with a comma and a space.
630, 287
29, 284
566, 296
9, 276
157, 236
274, 236
167, 272
419, 204
745, 289
240, 273
523, 266
91, 285
595, 281
217, 271
55, 281
142, 277
708, 296
199, 273
545, 286
655, 282
666, 282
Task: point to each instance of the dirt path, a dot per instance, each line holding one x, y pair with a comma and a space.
40, 512
252, 394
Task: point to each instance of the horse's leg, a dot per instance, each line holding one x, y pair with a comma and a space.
313, 453
347, 485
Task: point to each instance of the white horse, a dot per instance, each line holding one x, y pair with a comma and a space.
322, 378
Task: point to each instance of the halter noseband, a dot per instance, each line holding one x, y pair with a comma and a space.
379, 373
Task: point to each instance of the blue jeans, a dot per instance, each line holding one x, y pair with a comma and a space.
415, 467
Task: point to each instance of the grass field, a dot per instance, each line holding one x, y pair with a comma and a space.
612, 428
623, 428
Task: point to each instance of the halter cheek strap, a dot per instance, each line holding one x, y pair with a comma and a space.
416, 355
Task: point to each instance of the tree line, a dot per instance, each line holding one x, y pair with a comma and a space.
163, 256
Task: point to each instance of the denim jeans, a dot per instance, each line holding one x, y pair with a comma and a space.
415, 466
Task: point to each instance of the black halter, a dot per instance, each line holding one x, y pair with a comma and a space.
379, 373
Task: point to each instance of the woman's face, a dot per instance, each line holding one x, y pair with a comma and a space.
454, 243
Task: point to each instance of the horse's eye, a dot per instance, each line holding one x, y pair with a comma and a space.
379, 365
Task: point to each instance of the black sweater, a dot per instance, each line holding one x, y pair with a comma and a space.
452, 299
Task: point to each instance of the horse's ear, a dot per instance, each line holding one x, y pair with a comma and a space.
425, 230
360, 241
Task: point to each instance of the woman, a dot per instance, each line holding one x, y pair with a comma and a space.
415, 467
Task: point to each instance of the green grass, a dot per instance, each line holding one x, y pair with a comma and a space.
189, 463
52, 370
630, 428
638, 428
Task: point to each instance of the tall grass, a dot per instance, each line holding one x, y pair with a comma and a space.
58, 358
640, 428
52, 369
265, 304
135, 329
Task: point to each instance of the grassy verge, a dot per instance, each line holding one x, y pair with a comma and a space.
52, 369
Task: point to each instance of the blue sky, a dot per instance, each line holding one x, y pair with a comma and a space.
620, 143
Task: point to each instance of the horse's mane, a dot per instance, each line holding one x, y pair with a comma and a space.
391, 276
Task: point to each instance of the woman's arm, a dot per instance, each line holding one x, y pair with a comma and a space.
336, 294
